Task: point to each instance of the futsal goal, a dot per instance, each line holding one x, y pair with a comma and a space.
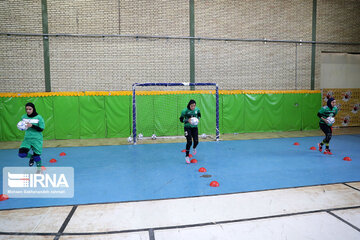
156, 108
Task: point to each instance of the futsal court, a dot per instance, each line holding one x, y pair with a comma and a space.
269, 188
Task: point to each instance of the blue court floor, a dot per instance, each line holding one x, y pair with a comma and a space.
158, 171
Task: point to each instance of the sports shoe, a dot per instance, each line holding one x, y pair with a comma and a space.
187, 159
327, 151
194, 151
31, 161
320, 147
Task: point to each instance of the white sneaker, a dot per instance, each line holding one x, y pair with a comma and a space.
194, 151
187, 159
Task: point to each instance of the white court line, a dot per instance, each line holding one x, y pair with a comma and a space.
351, 216
199, 210
354, 185
298, 227
46, 220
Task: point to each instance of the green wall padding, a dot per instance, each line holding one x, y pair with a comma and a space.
12, 110
254, 113
66, 117
92, 117
292, 112
273, 112
233, 113
75, 117
118, 120
270, 112
2, 119
311, 105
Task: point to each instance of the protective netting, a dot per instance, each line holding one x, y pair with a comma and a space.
158, 109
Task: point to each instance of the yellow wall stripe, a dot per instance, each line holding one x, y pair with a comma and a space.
128, 93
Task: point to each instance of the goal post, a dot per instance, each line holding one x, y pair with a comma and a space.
157, 107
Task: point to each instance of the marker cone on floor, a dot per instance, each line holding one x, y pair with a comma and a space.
296, 144
4, 197
190, 155
184, 150
62, 154
193, 160
347, 159
214, 184
313, 148
202, 169
43, 168
53, 160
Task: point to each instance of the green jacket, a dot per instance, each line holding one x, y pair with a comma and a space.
36, 121
186, 114
326, 112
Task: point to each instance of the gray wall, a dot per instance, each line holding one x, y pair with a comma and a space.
114, 63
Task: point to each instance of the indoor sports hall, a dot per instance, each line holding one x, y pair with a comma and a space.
178, 120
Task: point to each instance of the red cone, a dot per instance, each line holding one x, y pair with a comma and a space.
62, 154
190, 155
202, 169
53, 160
184, 150
214, 184
296, 144
193, 160
43, 168
347, 159
4, 197
313, 148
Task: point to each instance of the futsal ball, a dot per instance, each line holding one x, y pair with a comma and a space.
22, 125
194, 121
153, 137
331, 121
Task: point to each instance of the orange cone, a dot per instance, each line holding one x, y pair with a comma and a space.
347, 159
62, 154
53, 160
43, 168
214, 184
202, 169
193, 160
313, 148
296, 144
184, 150
4, 197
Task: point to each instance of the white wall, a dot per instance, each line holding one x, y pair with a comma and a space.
340, 70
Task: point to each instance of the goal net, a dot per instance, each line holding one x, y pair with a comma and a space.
157, 108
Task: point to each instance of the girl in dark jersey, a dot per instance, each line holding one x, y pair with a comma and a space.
327, 111
191, 131
33, 136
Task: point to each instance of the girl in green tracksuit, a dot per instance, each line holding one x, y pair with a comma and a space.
191, 131
327, 111
33, 135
